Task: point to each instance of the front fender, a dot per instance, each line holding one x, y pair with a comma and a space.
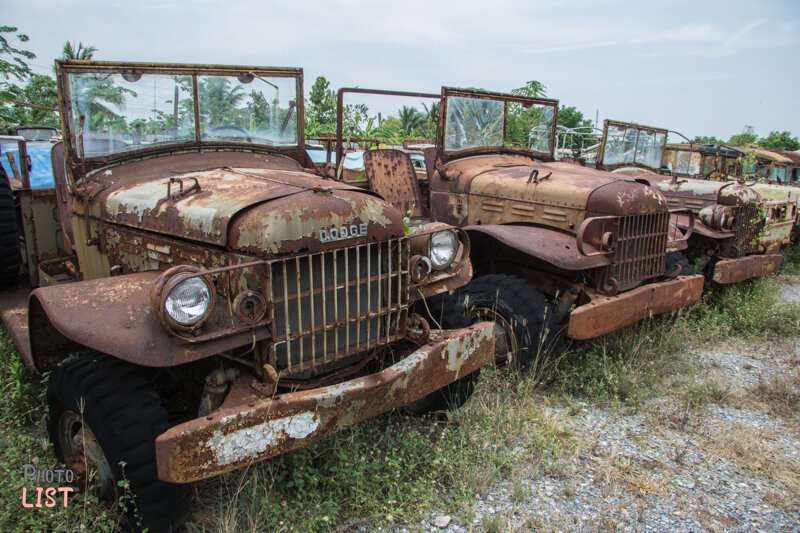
554, 247
113, 316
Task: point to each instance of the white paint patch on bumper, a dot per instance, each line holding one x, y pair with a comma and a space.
250, 442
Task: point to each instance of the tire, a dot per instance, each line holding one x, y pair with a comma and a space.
674, 259
528, 332
9, 234
118, 419
445, 311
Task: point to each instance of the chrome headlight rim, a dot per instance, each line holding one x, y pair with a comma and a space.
168, 282
455, 244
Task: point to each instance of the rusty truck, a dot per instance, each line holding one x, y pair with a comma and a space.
215, 301
725, 163
738, 234
557, 248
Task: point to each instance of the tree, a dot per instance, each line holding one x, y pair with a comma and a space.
570, 117
221, 101
411, 119
707, 139
353, 116
780, 140
80, 52
747, 136
320, 108
40, 93
12, 57
533, 89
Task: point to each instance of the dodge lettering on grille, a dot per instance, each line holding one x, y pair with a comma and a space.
342, 232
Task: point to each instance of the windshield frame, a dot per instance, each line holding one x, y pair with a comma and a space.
67, 68
448, 92
607, 124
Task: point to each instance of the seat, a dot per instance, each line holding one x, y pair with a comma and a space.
391, 174
63, 194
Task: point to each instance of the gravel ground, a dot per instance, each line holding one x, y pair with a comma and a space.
730, 463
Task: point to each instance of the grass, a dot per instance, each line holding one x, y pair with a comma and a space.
632, 364
23, 441
396, 469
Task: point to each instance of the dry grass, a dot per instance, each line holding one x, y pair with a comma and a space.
781, 394
756, 450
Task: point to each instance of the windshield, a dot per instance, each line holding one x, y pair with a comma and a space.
492, 121
627, 144
112, 112
37, 134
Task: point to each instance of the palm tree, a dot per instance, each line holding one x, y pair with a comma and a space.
81, 52
411, 119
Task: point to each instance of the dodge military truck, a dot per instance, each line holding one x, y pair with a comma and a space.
218, 302
724, 163
556, 247
737, 235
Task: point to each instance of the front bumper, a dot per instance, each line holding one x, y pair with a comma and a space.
729, 271
256, 427
605, 314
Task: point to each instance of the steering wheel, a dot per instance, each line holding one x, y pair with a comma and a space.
233, 128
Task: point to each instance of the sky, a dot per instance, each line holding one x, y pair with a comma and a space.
699, 67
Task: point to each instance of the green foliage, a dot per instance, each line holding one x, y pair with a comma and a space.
81, 52
40, 90
747, 136
570, 117
780, 140
707, 139
392, 469
533, 89
411, 120
13, 57
23, 441
752, 309
627, 366
320, 108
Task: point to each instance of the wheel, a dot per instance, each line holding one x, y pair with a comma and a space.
676, 259
102, 414
527, 331
9, 234
445, 311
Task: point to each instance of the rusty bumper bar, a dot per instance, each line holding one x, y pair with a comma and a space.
605, 314
729, 271
262, 427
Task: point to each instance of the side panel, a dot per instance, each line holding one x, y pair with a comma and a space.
43, 236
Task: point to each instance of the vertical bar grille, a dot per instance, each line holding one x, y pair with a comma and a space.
748, 228
641, 249
332, 305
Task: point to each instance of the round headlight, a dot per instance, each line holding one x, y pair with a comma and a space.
444, 246
188, 301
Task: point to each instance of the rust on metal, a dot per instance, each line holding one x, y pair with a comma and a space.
729, 271
391, 174
605, 314
252, 427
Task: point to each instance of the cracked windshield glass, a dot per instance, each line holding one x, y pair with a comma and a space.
480, 122
629, 145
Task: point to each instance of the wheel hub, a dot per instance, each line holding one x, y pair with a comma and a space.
84, 456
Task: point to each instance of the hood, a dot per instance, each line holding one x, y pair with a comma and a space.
777, 193
696, 194
254, 210
562, 185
